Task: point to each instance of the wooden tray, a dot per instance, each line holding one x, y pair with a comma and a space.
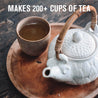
25, 73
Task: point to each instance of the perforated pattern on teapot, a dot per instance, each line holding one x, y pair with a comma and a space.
78, 44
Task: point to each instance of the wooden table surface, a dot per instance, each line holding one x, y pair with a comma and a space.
8, 22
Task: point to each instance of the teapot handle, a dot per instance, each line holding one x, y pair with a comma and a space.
69, 22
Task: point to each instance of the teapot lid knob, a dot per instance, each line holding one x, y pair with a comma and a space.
77, 37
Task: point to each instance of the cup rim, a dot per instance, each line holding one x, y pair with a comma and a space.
36, 17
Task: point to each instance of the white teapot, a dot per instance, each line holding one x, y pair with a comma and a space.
73, 58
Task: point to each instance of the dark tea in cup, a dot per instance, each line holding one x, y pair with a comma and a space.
33, 35
34, 31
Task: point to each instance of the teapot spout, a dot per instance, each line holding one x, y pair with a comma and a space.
52, 72
47, 72
55, 72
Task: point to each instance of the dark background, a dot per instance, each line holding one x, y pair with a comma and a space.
8, 22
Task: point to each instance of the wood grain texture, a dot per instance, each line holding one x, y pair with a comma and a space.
26, 74
8, 22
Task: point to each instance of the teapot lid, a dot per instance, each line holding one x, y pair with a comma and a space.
78, 44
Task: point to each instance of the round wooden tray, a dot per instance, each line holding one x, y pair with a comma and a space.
25, 73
